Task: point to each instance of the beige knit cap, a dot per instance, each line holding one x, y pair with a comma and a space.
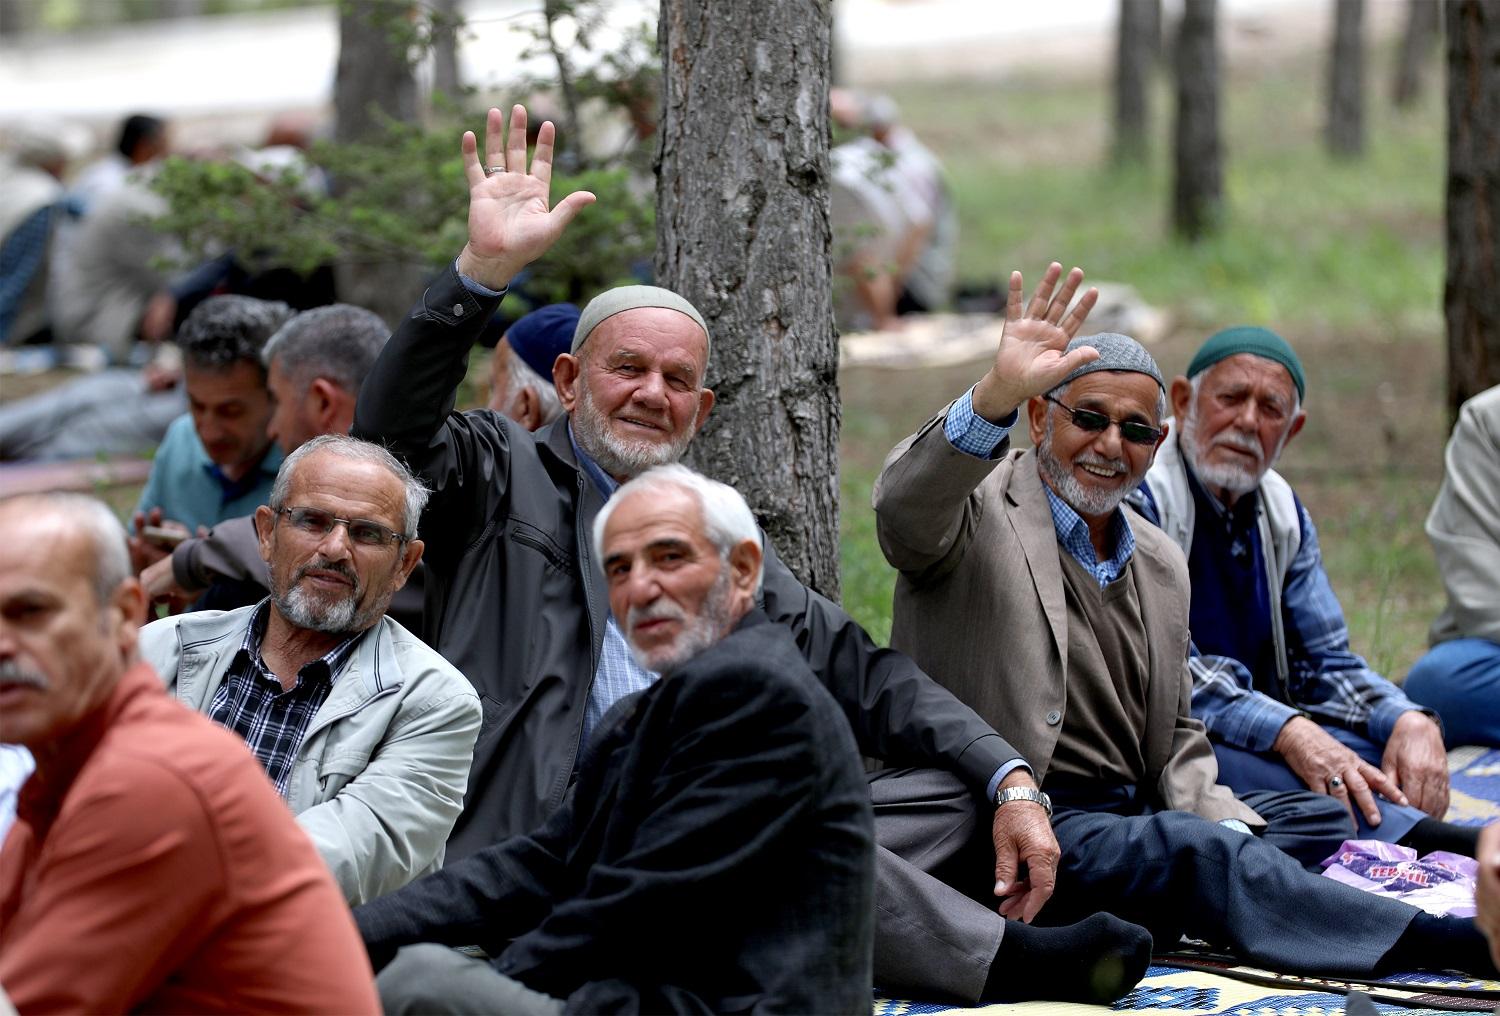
622, 298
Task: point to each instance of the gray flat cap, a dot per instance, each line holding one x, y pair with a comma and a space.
1116, 352
622, 298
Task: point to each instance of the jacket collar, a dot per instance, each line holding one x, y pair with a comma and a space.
1031, 518
208, 641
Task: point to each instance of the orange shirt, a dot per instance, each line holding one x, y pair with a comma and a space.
153, 867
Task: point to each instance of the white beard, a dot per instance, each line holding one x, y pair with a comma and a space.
1238, 480
617, 456
698, 633
1084, 500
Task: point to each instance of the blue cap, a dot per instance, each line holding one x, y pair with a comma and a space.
538, 337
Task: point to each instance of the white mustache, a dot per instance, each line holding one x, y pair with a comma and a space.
1239, 441
12, 673
661, 610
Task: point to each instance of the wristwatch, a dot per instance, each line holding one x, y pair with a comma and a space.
1024, 794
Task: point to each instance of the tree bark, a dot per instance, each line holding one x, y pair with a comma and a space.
1423, 20
1198, 188
1471, 295
1346, 81
373, 81
742, 231
445, 76
1135, 56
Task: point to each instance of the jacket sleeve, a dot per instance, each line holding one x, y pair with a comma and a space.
106, 883
1464, 524
407, 404
230, 552
896, 711
926, 503
1190, 779
389, 823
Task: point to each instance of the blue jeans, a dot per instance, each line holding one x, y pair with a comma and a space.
1460, 679
1243, 771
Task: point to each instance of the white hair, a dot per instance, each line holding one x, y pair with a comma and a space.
519, 375
98, 523
727, 520
347, 447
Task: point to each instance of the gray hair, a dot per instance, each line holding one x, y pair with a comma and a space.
519, 374
225, 330
347, 447
727, 520
339, 342
102, 527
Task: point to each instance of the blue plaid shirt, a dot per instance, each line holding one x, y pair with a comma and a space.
272, 721
1325, 677
22, 253
618, 673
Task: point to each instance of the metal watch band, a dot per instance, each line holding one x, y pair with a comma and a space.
1024, 794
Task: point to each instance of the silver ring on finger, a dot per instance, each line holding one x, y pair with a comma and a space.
1335, 782
492, 170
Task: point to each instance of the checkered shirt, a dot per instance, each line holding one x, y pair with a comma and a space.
272, 721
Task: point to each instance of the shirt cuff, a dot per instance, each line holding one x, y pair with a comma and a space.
993, 787
971, 433
474, 287
1384, 715
1253, 722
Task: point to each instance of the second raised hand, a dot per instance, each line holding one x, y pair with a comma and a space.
1031, 359
511, 220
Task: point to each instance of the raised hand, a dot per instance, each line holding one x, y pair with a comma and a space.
1030, 360
511, 221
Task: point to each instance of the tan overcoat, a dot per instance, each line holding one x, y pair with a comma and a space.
980, 606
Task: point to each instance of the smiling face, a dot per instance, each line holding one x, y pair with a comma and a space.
61, 650
231, 412
1244, 412
329, 583
670, 590
1094, 471
635, 390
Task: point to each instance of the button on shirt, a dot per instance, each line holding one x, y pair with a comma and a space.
271, 720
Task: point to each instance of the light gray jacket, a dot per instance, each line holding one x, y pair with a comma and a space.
1464, 525
380, 777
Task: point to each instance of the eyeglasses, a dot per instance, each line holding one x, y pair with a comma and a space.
1131, 430
317, 522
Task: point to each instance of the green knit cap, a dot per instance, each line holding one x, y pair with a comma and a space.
1249, 339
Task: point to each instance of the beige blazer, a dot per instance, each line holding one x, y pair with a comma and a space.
980, 606
1464, 524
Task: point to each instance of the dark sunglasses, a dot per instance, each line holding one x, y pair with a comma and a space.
317, 522
1094, 423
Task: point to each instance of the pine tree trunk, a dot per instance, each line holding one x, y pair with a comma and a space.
1135, 55
445, 77
742, 231
1422, 20
374, 79
1346, 81
1471, 297
1198, 189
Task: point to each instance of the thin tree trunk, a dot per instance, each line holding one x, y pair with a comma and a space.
1471, 296
1198, 189
742, 231
1423, 18
373, 81
445, 77
1346, 81
1135, 56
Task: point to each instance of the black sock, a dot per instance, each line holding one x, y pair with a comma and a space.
1096, 960
1429, 834
1440, 943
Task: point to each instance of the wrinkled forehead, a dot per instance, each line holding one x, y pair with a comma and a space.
1126, 394
339, 483
651, 514
1249, 369
651, 329
46, 547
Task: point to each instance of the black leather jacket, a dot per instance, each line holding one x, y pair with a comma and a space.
516, 602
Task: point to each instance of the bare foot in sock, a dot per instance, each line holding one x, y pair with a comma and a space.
1096, 960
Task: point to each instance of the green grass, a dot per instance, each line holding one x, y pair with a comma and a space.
1344, 258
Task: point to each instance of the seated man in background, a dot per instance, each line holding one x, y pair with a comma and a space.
1062, 618
315, 364
716, 852
1460, 676
1285, 701
151, 867
521, 366
217, 461
366, 732
32, 163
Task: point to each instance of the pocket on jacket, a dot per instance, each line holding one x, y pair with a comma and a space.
527, 535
